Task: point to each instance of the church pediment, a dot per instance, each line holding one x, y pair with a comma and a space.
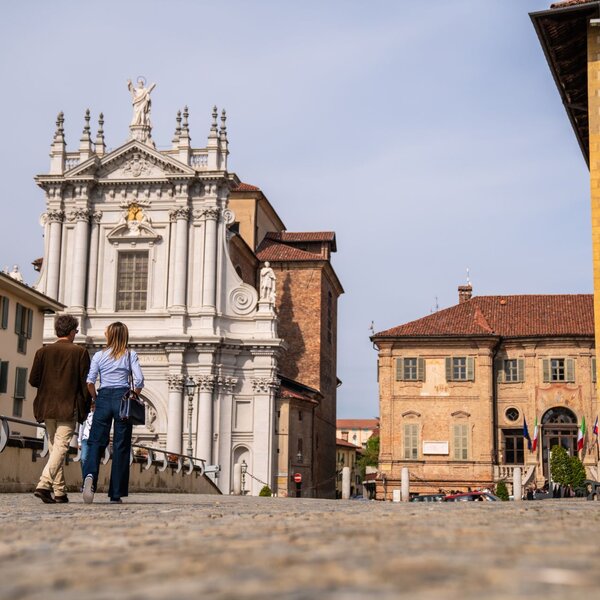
132, 162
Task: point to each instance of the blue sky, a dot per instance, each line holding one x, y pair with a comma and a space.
429, 135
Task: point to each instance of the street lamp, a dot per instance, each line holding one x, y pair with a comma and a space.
244, 469
190, 390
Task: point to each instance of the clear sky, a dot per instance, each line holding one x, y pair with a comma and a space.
429, 135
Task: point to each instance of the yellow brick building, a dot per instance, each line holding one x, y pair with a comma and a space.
456, 388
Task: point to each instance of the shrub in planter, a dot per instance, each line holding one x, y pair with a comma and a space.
266, 491
502, 491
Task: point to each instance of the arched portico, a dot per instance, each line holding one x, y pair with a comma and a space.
559, 428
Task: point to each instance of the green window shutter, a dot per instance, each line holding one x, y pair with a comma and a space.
399, 369
20, 382
448, 368
18, 317
421, 369
546, 370
520, 369
4, 312
593, 369
29, 323
470, 368
3, 376
570, 370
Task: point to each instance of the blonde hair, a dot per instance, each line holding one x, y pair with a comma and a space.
117, 337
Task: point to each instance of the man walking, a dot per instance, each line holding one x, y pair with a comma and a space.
59, 373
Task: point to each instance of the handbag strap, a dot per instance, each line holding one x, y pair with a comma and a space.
130, 370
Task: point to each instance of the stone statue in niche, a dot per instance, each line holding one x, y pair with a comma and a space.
267, 284
140, 98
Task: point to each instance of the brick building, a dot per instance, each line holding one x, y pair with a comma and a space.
456, 387
357, 431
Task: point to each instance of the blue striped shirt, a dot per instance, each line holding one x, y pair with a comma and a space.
115, 373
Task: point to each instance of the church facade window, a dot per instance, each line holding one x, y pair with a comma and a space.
132, 281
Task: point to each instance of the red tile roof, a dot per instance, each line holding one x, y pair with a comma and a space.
302, 236
567, 3
357, 423
246, 187
507, 316
339, 442
274, 251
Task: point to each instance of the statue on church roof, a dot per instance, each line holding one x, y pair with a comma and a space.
267, 283
140, 98
16, 274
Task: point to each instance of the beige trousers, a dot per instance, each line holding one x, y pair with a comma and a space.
59, 438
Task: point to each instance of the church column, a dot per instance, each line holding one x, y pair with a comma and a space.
204, 426
81, 216
180, 216
175, 413
210, 257
93, 272
55, 220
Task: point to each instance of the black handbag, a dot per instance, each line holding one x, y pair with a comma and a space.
132, 409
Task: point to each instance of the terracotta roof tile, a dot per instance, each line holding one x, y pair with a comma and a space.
302, 236
567, 3
339, 442
507, 316
246, 187
357, 423
273, 251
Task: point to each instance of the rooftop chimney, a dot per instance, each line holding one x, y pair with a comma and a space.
465, 292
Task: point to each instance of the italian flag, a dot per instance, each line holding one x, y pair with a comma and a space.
581, 435
535, 437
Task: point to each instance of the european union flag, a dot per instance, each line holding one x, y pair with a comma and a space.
526, 433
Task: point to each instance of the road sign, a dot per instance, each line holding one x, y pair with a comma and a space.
298, 477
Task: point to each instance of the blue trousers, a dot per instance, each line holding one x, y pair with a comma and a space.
107, 410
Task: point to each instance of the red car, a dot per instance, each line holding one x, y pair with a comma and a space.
472, 497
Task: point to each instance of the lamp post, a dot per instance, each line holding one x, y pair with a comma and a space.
244, 469
190, 390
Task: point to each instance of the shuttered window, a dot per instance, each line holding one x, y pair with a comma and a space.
3, 376
558, 369
411, 441
20, 389
4, 312
593, 369
410, 369
23, 327
461, 441
512, 370
460, 368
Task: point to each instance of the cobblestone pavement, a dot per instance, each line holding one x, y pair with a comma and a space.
193, 546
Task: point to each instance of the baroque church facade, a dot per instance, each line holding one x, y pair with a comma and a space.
145, 237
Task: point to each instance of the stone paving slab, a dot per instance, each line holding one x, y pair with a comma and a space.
158, 546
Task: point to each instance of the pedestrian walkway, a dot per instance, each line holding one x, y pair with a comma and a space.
157, 546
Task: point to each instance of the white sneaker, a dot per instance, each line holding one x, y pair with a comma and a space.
88, 489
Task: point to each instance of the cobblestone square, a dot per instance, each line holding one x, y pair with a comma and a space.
192, 546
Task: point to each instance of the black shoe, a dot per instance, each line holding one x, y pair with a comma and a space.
61, 499
44, 495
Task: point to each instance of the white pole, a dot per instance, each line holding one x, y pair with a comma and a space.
345, 483
405, 485
517, 484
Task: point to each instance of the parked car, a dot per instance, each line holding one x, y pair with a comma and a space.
472, 497
429, 498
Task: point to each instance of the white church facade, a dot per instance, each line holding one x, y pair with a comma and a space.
141, 236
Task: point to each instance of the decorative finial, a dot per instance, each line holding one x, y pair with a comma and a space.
223, 125
186, 114
215, 114
86, 129
60, 120
101, 124
177, 133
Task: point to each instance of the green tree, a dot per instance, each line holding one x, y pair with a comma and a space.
578, 475
560, 466
502, 490
265, 491
370, 457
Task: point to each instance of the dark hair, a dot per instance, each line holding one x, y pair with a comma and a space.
64, 324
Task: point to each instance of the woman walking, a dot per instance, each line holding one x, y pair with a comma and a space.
113, 366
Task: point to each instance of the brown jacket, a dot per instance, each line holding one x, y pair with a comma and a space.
59, 372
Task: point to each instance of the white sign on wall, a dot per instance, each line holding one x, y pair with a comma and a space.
435, 447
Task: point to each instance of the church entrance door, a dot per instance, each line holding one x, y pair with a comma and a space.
559, 428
